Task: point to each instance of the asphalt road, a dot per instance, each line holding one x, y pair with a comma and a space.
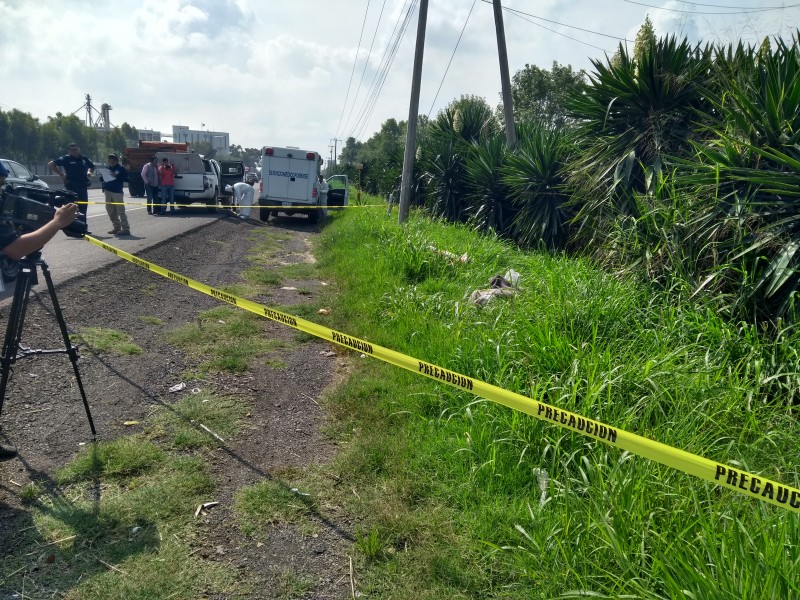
69, 257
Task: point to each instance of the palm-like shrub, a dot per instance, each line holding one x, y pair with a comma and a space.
449, 139
631, 116
750, 173
490, 207
533, 174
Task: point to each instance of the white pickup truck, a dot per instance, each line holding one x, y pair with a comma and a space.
196, 178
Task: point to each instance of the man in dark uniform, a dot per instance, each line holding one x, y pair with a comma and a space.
75, 175
15, 246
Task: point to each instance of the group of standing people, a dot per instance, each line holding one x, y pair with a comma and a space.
159, 186
74, 169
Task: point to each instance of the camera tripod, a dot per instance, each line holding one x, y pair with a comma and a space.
13, 350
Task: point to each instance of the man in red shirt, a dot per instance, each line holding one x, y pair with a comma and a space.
167, 174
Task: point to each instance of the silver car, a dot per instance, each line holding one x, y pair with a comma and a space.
19, 175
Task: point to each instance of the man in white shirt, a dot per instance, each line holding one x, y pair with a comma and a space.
243, 194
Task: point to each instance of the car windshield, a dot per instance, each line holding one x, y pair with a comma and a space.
21, 171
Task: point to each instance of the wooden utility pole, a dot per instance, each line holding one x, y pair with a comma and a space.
505, 79
413, 114
335, 152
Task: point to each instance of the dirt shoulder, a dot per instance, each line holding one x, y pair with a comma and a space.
282, 430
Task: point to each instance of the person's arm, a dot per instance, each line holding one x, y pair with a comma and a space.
30, 242
55, 168
91, 167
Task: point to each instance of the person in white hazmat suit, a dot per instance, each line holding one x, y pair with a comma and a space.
323, 188
243, 194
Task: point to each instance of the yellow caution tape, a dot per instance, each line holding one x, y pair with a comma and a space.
735, 479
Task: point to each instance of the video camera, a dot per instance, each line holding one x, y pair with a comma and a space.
28, 208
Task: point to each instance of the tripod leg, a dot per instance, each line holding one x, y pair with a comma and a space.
72, 351
16, 319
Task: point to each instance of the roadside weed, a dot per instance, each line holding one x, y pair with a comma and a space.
270, 502
101, 339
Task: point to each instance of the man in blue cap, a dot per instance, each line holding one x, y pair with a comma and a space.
15, 246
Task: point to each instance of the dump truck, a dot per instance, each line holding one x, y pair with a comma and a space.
134, 158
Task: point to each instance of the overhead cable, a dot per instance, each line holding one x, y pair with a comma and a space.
436, 97
347, 96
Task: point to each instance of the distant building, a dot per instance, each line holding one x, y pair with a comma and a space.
219, 140
149, 135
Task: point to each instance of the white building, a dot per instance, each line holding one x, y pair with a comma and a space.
149, 135
219, 140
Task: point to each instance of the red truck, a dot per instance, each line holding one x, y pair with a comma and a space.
135, 158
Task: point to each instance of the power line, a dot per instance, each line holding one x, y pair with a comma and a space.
520, 12
739, 12
366, 64
380, 65
569, 37
347, 96
436, 97
380, 77
396, 47
736, 7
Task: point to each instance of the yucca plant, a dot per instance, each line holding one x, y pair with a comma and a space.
444, 151
533, 174
752, 172
490, 207
631, 116
443, 160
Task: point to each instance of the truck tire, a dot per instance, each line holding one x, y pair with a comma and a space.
316, 215
263, 213
212, 207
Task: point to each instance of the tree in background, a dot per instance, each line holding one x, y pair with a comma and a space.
249, 156
23, 136
540, 95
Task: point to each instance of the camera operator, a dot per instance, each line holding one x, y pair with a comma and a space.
15, 246
75, 175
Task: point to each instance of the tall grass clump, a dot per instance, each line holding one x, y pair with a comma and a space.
521, 508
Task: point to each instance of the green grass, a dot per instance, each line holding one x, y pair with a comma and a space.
293, 585
101, 339
269, 502
228, 338
148, 320
181, 421
119, 526
123, 457
474, 500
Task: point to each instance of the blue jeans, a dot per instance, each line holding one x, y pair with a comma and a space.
152, 193
167, 197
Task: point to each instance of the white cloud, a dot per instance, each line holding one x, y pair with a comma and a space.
277, 72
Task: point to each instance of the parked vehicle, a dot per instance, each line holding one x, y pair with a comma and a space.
289, 178
196, 178
135, 158
251, 177
231, 172
19, 175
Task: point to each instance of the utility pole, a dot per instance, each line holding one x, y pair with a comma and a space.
89, 119
505, 80
335, 151
413, 114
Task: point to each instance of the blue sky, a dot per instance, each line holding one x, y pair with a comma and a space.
277, 71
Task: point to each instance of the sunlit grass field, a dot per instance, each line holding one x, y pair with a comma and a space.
470, 499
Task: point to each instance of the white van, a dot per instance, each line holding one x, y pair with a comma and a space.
289, 178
